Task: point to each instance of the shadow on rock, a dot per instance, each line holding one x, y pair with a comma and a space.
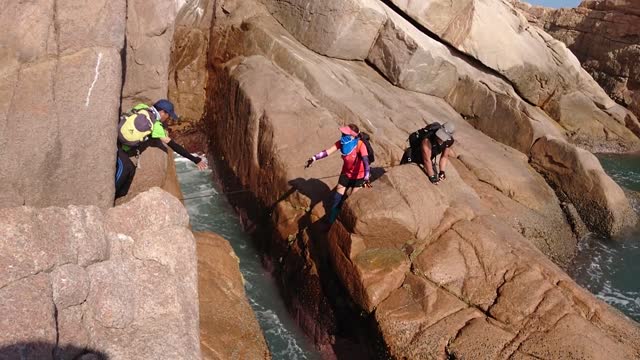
44, 350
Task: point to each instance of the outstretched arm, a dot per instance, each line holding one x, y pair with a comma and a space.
182, 151
322, 154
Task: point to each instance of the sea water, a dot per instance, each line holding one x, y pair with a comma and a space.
209, 210
610, 268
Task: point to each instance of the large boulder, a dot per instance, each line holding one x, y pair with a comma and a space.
336, 28
228, 326
476, 285
524, 199
415, 61
150, 27
60, 84
606, 209
120, 284
609, 53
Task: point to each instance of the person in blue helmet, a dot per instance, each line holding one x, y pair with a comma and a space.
135, 130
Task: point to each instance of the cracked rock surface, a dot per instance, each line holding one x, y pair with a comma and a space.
122, 283
465, 269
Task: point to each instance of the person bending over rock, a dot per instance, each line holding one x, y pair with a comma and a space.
138, 129
355, 168
427, 143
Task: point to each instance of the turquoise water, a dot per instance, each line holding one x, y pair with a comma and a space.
210, 211
611, 268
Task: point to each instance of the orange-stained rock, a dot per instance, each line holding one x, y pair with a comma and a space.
228, 326
419, 318
370, 274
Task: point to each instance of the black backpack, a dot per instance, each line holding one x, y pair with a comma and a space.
366, 140
416, 137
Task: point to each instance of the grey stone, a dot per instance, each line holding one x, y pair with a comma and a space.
336, 28
70, 286
27, 324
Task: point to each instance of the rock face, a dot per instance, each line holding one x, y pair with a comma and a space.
476, 289
440, 269
60, 83
340, 29
150, 27
120, 284
541, 69
604, 36
189, 58
228, 326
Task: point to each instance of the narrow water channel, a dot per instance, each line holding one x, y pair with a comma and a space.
210, 211
610, 268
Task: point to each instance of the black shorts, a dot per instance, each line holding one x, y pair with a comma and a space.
350, 183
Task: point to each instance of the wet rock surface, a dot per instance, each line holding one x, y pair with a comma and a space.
125, 287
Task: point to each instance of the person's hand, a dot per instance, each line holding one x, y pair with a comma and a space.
201, 165
367, 182
441, 176
309, 162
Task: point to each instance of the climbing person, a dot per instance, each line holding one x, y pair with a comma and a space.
355, 168
426, 144
137, 130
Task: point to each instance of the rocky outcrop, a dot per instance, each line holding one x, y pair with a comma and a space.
120, 283
559, 162
60, 83
439, 269
339, 29
541, 69
150, 28
228, 326
604, 37
475, 285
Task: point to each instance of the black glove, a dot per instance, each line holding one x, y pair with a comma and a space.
434, 179
442, 176
309, 162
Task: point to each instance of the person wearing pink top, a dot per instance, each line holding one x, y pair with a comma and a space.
355, 167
